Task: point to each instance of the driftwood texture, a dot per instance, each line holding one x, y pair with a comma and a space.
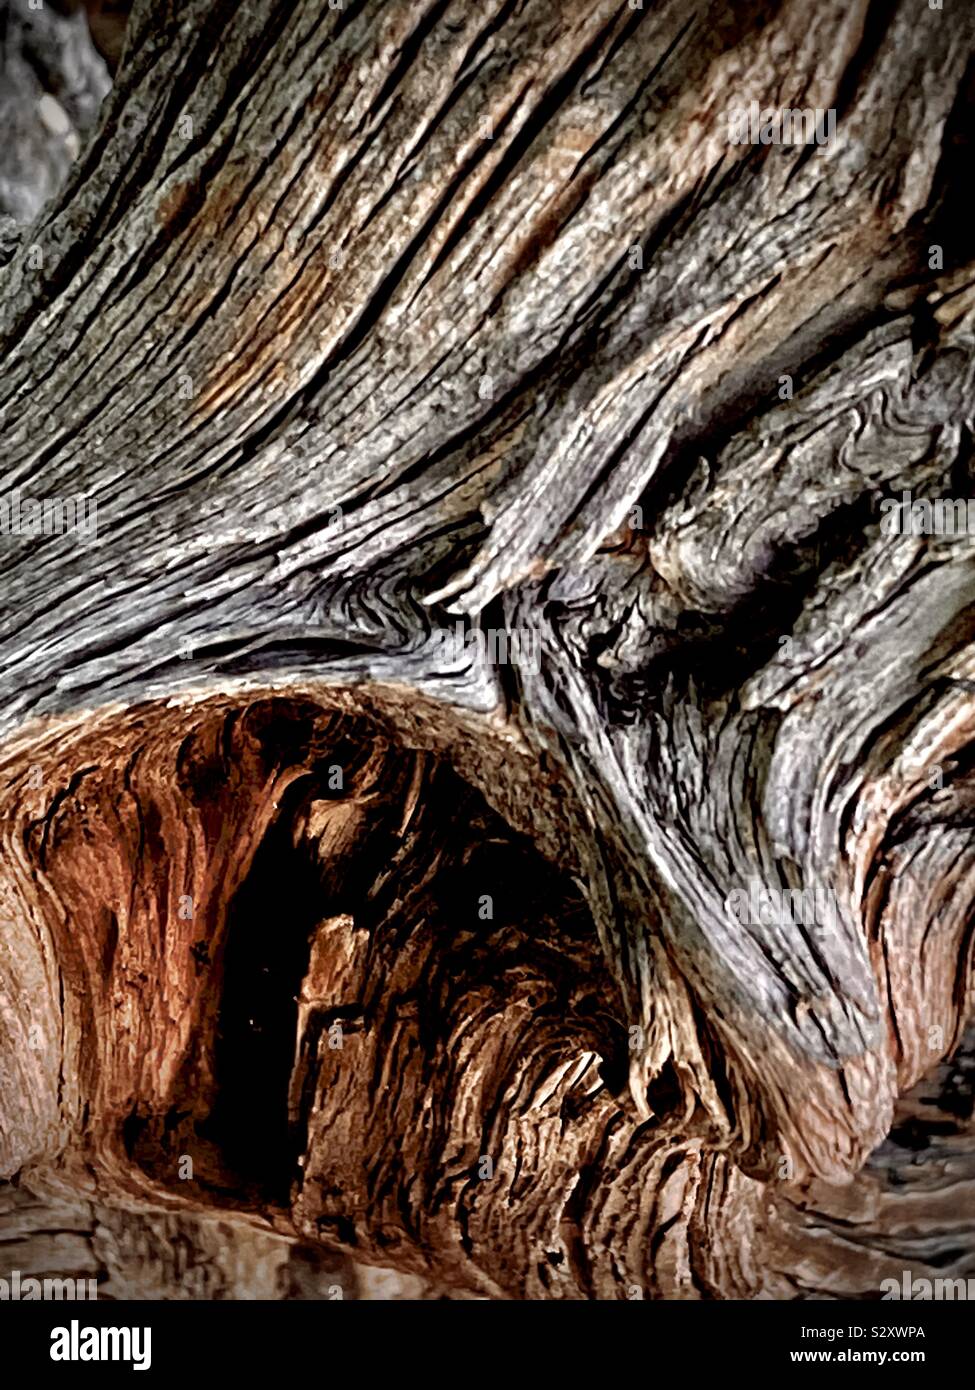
362, 322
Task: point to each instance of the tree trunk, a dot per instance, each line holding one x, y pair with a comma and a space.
488, 792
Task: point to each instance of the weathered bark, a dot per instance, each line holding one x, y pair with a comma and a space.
361, 323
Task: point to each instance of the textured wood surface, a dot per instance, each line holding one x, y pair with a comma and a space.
362, 324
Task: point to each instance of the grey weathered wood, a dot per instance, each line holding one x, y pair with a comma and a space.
340, 322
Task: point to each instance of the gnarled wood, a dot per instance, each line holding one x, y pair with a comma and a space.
357, 327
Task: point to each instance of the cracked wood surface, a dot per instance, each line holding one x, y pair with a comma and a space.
357, 324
